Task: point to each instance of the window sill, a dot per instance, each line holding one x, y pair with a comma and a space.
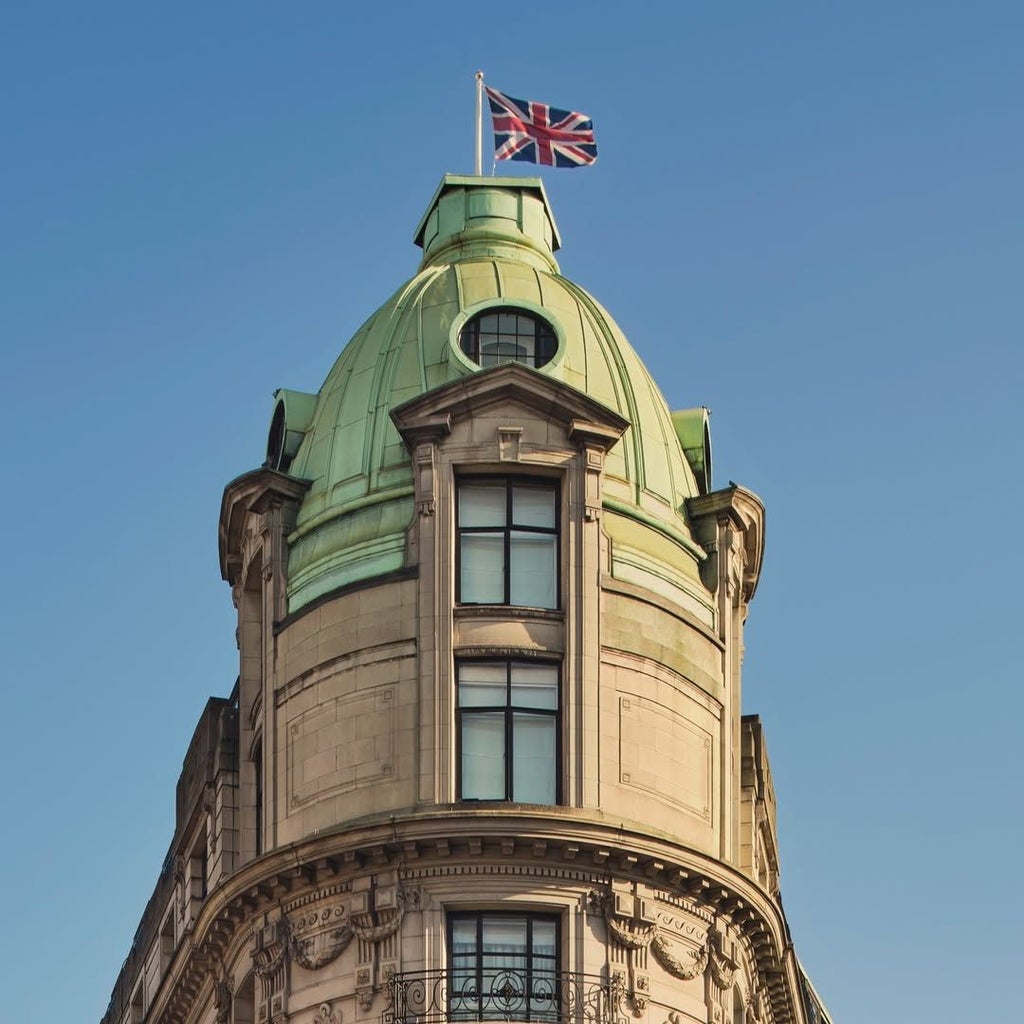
507, 611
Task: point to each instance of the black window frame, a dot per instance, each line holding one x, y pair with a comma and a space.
545, 338
509, 710
539, 1005
509, 527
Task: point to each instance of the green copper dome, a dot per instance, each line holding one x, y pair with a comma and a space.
487, 242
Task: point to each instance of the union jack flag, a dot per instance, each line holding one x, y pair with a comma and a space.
540, 134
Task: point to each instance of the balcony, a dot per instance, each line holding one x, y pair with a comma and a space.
545, 997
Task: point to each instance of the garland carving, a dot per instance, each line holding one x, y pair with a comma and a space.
676, 967
628, 934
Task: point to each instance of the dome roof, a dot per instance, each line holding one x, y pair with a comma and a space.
487, 242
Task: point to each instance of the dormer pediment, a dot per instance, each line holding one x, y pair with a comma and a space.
509, 387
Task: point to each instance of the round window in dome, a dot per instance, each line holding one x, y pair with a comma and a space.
506, 335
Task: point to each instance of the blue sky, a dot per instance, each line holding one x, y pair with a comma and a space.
807, 217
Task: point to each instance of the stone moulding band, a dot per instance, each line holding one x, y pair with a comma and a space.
328, 859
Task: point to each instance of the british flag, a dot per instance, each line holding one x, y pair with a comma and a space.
539, 134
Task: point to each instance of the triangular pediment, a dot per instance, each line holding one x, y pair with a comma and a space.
432, 415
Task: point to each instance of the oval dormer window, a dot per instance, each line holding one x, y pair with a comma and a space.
507, 335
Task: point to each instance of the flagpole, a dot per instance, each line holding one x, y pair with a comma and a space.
479, 123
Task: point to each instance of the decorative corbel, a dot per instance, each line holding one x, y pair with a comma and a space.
270, 944
635, 937
593, 440
426, 498
379, 917
723, 969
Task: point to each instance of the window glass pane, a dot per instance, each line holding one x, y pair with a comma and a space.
544, 938
482, 568
533, 758
535, 686
464, 934
504, 961
507, 323
545, 347
483, 756
504, 934
482, 504
489, 324
532, 558
482, 684
533, 506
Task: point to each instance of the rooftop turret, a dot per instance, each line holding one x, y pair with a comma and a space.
488, 245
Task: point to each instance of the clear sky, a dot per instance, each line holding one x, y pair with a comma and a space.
805, 216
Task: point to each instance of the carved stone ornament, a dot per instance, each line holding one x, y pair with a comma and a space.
635, 938
366, 985
270, 963
270, 948
632, 935
325, 1015
757, 1007
380, 932
638, 937
222, 1002
684, 970
179, 883
318, 936
628, 934
641, 990
723, 970
315, 951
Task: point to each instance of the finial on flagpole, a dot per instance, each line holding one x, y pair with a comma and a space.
479, 123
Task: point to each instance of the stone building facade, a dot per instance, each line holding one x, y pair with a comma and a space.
485, 759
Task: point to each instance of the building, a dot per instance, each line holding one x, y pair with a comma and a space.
485, 759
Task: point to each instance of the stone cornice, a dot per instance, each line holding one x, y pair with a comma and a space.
462, 835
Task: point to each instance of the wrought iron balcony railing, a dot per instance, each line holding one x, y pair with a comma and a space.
502, 994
